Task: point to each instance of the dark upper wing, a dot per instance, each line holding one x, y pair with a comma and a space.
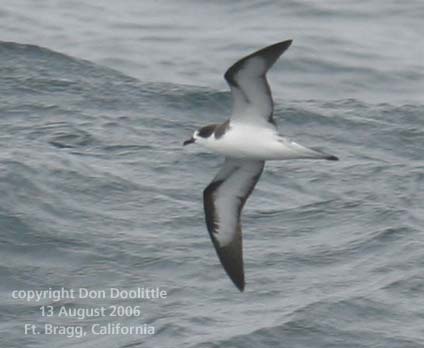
252, 99
223, 201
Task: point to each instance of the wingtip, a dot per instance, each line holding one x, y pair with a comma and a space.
283, 44
236, 278
240, 286
286, 43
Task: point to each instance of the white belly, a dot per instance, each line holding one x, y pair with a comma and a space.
250, 142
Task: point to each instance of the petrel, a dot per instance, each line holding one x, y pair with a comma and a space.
247, 140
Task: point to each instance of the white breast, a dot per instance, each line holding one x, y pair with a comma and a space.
247, 141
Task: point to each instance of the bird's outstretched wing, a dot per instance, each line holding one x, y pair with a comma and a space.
223, 201
252, 98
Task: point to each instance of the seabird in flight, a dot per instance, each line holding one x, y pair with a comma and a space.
247, 140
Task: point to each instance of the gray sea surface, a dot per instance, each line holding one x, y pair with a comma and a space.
97, 192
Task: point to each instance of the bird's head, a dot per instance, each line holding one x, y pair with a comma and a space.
193, 139
200, 135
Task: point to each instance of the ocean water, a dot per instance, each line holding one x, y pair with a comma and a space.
96, 191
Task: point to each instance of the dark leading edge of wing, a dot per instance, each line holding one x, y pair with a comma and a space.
223, 201
269, 53
248, 82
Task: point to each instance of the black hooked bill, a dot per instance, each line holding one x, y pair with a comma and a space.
189, 141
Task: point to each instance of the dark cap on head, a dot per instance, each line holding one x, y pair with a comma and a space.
206, 131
